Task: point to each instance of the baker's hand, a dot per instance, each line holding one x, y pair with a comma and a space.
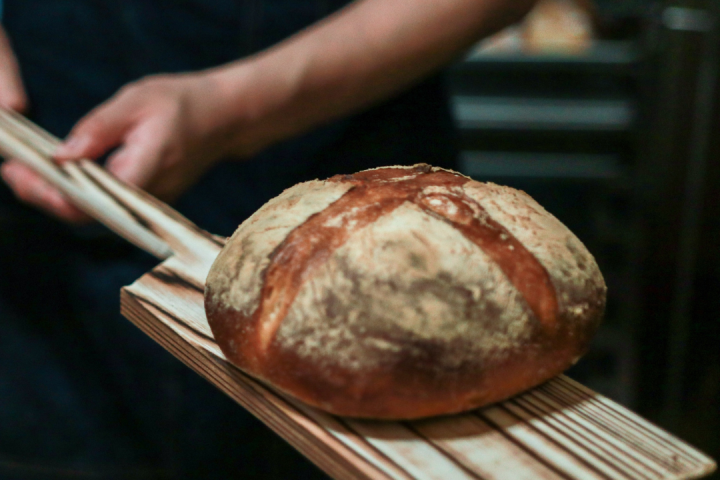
162, 129
170, 129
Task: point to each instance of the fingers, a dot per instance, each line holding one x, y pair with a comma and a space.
32, 189
100, 130
143, 159
153, 123
12, 92
132, 164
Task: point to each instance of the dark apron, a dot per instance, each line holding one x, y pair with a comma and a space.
83, 393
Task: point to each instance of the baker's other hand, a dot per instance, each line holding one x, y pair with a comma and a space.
25, 183
12, 92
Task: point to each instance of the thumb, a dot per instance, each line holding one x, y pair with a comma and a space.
100, 130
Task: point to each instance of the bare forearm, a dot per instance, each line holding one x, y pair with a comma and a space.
167, 130
352, 59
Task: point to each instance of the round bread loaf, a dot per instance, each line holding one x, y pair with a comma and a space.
403, 292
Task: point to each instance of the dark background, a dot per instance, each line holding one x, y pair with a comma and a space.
622, 143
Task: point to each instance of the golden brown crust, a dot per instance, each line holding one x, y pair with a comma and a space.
403, 292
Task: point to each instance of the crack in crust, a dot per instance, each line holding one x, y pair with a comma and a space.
376, 193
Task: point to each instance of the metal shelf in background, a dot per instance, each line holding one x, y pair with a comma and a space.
562, 127
516, 113
608, 55
566, 166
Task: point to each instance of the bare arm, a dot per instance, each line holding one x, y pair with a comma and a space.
362, 54
172, 128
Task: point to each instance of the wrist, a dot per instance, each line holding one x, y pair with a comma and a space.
253, 107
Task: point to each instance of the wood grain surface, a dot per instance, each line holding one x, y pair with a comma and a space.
558, 430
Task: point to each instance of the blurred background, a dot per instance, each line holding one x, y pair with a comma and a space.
606, 111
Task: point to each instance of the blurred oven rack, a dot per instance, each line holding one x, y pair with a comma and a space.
564, 129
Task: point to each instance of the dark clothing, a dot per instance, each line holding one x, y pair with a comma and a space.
83, 393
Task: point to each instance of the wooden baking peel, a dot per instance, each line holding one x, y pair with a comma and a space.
560, 429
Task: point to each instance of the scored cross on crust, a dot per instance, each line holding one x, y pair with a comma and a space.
403, 292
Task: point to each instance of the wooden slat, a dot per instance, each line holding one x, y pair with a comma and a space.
541, 445
484, 449
419, 458
318, 441
603, 446
382, 444
629, 429
560, 430
131, 213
